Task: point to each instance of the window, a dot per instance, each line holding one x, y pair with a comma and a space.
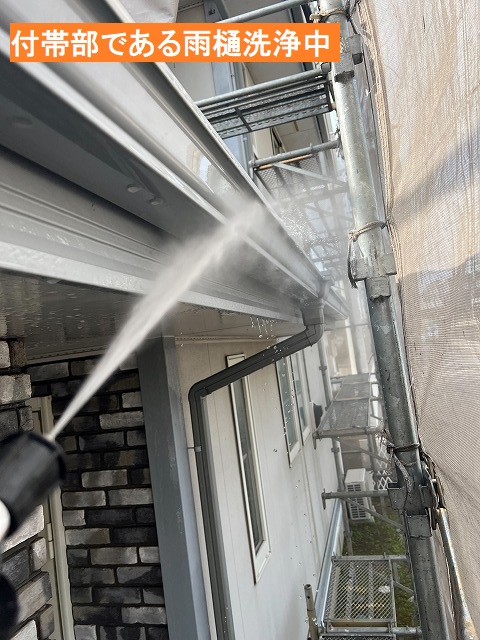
302, 395
277, 144
250, 471
290, 418
295, 397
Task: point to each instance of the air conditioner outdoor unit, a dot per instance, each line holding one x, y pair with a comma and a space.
359, 480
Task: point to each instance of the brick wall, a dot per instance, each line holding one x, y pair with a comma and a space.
112, 552
24, 553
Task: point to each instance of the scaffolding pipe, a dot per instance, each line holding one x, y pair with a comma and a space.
332, 495
385, 556
296, 153
312, 175
391, 371
464, 629
264, 86
311, 612
266, 11
337, 454
368, 453
353, 432
327, 385
372, 512
375, 631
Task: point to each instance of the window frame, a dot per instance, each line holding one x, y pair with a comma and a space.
54, 534
260, 556
293, 447
296, 378
299, 358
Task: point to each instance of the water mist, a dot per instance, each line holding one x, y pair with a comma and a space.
189, 264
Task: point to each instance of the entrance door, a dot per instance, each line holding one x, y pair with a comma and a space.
54, 534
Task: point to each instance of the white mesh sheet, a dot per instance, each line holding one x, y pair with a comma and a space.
425, 91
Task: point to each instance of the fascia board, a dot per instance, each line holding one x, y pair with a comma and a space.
106, 127
56, 230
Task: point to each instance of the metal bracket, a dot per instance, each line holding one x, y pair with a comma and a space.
388, 263
361, 270
397, 495
378, 287
355, 47
429, 499
419, 526
345, 69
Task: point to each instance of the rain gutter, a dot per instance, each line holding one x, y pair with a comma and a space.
314, 325
130, 134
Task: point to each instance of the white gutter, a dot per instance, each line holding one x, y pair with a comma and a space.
131, 135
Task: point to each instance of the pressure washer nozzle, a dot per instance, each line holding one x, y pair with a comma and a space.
30, 468
8, 609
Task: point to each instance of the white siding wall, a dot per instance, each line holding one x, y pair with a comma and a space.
297, 524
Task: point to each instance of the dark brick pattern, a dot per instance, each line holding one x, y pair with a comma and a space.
114, 570
23, 563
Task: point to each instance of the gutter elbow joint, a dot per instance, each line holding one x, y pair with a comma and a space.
314, 321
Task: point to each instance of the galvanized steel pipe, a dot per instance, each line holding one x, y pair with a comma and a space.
297, 153
265, 11
400, 418
464, 628
311, 612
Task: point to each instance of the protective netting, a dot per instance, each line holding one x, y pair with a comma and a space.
425, 93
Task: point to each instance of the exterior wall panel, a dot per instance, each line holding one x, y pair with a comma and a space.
297, 524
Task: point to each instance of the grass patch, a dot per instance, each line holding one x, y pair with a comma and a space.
376, 538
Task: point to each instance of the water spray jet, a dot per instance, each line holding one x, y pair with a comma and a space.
31, 465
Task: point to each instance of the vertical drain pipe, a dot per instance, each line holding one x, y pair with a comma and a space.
374, 267
314, 323
322, 352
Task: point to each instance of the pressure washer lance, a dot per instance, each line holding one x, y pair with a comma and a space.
30, 468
